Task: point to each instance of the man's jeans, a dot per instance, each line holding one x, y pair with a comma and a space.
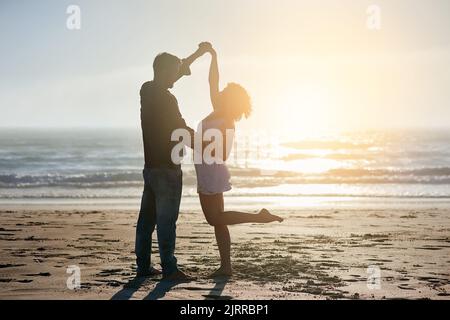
159, 206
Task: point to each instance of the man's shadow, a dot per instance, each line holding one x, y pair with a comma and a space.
161, 289
133, 285
129, 289
215, 293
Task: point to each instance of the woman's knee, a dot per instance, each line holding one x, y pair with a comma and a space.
213, 219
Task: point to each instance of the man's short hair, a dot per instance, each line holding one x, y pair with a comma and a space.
164, 61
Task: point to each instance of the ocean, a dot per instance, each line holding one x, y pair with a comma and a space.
105, 166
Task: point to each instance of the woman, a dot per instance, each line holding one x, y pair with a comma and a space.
229, 106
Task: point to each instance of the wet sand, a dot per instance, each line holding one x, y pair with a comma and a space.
314, 254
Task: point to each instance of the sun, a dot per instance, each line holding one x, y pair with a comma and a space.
309, 110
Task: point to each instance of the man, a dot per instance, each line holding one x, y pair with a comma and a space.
160, 203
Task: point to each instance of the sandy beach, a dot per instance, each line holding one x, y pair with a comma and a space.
314, 254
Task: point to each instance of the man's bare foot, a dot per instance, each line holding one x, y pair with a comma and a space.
222, 272
268, 217
178, 276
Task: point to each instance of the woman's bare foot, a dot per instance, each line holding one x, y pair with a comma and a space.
268, 217
222, 272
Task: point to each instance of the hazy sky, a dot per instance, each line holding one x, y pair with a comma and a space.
308, 65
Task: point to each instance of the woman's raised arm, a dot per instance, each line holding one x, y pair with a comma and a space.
214, 79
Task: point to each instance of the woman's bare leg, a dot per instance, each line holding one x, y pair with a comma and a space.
235, 217
224, 243
212, 206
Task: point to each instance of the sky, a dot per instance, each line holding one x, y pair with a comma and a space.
308, 65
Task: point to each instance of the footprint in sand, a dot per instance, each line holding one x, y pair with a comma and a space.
40, 274
9, 265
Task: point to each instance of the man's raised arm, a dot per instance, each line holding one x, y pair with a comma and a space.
185, 69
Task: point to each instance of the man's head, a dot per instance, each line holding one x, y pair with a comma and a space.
166, 68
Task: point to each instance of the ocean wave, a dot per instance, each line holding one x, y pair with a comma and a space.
104, 179
438, 173
328, 145
241, 177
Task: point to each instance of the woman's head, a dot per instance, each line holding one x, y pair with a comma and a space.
235, 102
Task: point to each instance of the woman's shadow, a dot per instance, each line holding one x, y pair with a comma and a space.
163, 287
217, 290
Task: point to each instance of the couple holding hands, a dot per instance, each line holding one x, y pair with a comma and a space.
160, 117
